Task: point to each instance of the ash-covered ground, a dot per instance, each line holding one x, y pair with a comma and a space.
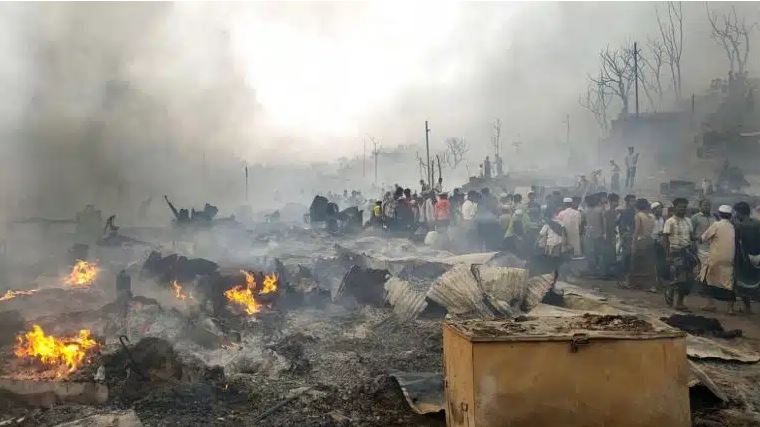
322, 351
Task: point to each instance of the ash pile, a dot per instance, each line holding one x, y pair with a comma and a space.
288, 326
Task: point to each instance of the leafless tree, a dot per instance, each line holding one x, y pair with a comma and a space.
456, 149
616, 73
671, 34
597, 100
733, 34
652, 63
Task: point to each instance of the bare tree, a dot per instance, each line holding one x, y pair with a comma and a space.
596, 100
653, 63
733, 34
456, 149
671, 34
616, 73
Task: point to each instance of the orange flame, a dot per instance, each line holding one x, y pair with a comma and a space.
270, 284
179, 292
64, 354
82, 275
13, 294
243, 295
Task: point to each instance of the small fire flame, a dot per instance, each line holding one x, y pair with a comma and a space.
270, 284
243, 295
13, 294
65, 354
82, 275
179, 292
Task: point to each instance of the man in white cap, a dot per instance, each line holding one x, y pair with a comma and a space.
719, 274
571, 220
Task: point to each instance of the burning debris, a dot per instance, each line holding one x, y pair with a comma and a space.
10, 294
179, 291
245, 295
82, 274
63, 355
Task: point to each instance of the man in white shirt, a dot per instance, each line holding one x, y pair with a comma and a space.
631, 161
570, 218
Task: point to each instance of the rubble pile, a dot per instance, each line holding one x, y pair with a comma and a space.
303, 327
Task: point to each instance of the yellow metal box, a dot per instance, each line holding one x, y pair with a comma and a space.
590, 370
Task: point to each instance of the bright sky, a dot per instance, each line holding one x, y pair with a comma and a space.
319, 68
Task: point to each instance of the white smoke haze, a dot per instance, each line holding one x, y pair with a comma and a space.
110, 103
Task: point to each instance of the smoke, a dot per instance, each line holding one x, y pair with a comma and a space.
111, 103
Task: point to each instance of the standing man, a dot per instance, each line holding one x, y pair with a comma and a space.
678, 241
747, 252
659, 248
719, 272
487, 168
571, 220
610, 234
626, 224
631, 161
700, 222
614, 176
594, 234
499, 165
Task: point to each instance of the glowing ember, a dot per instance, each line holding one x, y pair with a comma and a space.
82, 274
13, 294
179, 292
65, 355
244, 295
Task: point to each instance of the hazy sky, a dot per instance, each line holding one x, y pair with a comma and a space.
109, 99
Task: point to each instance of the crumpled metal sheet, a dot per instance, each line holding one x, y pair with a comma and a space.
407, 302
459, 292
423, 390
535, 290
698, 377
477, 258
705, 348
503, 283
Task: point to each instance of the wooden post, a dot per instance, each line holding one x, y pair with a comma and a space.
427, 148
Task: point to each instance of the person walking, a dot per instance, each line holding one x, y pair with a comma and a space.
718, 275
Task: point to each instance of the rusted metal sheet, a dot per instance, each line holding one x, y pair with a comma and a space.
407, 302
705, 348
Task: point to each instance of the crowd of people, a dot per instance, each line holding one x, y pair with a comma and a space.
639, 244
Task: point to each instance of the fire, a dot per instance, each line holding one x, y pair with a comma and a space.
13, 294
244, 295
270, 284
64, 354
179, 292
82, 274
